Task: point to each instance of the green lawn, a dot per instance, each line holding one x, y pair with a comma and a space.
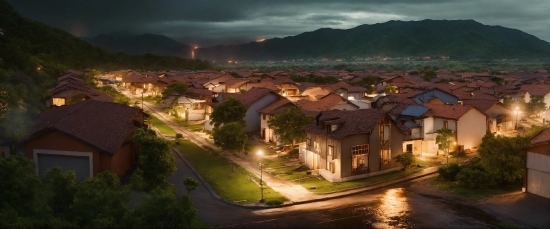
161, 126
153, 100
470, 193
318, 184
195, 128
232, 184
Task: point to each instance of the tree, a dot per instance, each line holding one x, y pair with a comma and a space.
190, 184
100, 202
444, 140
231, 136
161, 209
20, 205
156, 161
369, 82
60, 189
230, 110
503, 157
536, 105
289, 125
173, 88
406, 159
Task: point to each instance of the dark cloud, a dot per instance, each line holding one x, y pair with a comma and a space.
209, 22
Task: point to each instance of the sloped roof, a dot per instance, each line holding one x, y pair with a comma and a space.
447, 111
542, 137
89, 122
274, 107
536, 89
414, 111
481, 104
350, 122
323, 104
88, 92
249, 97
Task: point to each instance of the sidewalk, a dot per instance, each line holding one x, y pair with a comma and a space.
294, 192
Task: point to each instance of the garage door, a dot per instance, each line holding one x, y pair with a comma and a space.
538, 174
80, 164
538, 183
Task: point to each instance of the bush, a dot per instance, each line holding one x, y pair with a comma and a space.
449, 172
405, 159
472, 177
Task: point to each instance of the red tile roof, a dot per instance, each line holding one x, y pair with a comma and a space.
103, 125
447, 111
276, 106
536, 89
350, 122
481, 104
323, 104
542, 137
90, 93
249, 97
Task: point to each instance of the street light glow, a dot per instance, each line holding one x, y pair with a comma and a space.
260, 152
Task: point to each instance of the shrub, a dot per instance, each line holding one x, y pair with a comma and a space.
472, 177
405, 159
449, 172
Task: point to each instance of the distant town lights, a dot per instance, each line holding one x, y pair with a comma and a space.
260, 40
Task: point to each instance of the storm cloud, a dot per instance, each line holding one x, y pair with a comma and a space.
209, 22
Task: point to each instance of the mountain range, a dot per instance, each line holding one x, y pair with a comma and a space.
141, 44
457, 39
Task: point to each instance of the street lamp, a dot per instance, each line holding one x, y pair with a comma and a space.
261, 177
456, 150
517, 112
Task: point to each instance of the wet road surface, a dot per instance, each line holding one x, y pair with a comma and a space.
395, 207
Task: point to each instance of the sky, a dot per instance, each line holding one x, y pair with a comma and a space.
204, 23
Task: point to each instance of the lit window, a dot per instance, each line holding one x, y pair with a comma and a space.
58, 101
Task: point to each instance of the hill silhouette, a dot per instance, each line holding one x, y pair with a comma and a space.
457, 39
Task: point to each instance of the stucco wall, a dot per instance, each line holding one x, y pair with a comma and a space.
471, 129
252, 117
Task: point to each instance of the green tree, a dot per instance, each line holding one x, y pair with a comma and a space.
536, 105
444, 140
176, 87
503, 157
156, 161
405, 159
230, 110
231, 136
60, 190
190, 184
20, 205
289, 125
369, 82
100, 202
161, 209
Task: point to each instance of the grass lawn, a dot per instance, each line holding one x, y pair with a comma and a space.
161, 126
470, 193
195, 127
317, 184
153, 100
232, 184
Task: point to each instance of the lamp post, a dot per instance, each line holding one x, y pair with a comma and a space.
517, 111
261, 177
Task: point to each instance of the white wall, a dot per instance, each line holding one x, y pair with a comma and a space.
252, 117
471, 129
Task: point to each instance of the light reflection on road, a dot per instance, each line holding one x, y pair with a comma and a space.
394, 210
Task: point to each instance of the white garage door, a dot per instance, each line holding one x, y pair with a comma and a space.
538, 174
80, 162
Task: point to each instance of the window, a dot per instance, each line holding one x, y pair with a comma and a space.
330, 150
445, 124
308, 141
385, 156
263, 116
58, 101
330, 166
316, 146
359, 159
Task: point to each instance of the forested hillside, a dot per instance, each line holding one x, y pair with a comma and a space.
33, 55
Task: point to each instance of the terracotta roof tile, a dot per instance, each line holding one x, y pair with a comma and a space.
447, 111
249, 97
274, 107
542, 137
350, 122
89, 122
323, 104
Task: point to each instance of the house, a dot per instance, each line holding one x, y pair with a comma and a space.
434, 93
540, 90
193, 106
70, 91
537, 165
348, 145
499, 117
267, 113
468, 123
88, 137
254, 99
328, 102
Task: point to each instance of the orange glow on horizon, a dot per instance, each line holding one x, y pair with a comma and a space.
260, 40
